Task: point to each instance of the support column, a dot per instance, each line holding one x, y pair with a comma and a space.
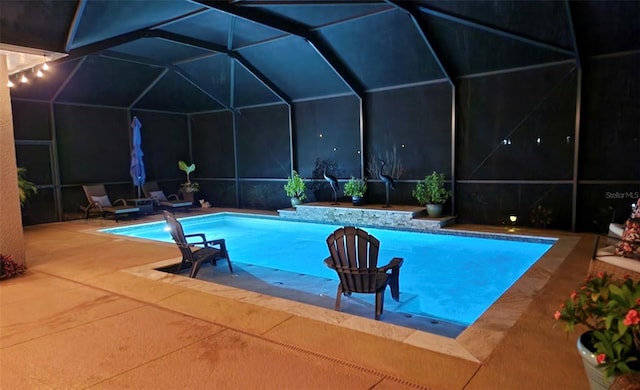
11, 235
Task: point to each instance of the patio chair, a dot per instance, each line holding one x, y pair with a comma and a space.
152, 190
99, 202
195, 253
605, 259
354, 256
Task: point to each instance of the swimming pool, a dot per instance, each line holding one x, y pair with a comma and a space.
451, 277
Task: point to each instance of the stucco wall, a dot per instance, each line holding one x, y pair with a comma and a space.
11, 237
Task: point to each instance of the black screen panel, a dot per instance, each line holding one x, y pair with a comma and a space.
213, 144
93, 144
611, 119
601, 204
328, 133
413, 127
263, 142
517, 125
31, 120
40, 208
535, 205
36, 159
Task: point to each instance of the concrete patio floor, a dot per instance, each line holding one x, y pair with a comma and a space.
91, 312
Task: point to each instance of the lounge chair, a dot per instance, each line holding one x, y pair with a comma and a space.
99, 202
604, 259
195, 253
152, 190
354, 256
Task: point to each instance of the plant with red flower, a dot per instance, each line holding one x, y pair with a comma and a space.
611, 310
9, 268
601, 358
631, 318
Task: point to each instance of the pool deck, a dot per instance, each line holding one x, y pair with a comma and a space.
92, 312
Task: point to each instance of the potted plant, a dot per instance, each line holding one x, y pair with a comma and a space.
295, 189
610, 309
431, 193
189, 188
356, 188
9, 268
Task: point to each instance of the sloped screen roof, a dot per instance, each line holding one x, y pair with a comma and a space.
219, 55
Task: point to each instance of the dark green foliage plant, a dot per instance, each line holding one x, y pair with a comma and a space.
295, 186
25, 187
431, 190
355, 187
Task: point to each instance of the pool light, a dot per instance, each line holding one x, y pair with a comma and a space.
513, 218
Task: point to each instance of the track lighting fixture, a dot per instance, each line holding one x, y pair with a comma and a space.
35, 72
26, 66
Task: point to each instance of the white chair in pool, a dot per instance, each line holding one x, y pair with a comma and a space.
195, 253
354, 256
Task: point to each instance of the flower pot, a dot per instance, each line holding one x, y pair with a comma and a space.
295, 201
434, 210
190, 196
595, 375
357, 200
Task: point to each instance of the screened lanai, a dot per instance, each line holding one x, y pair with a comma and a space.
523, 105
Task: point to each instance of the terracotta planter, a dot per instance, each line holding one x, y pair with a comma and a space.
190, 196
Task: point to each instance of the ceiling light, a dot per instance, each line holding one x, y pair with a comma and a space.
45, 66
21, 58
24, 79
10, 84
39, 73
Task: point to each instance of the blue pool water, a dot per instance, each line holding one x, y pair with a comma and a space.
454, 277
